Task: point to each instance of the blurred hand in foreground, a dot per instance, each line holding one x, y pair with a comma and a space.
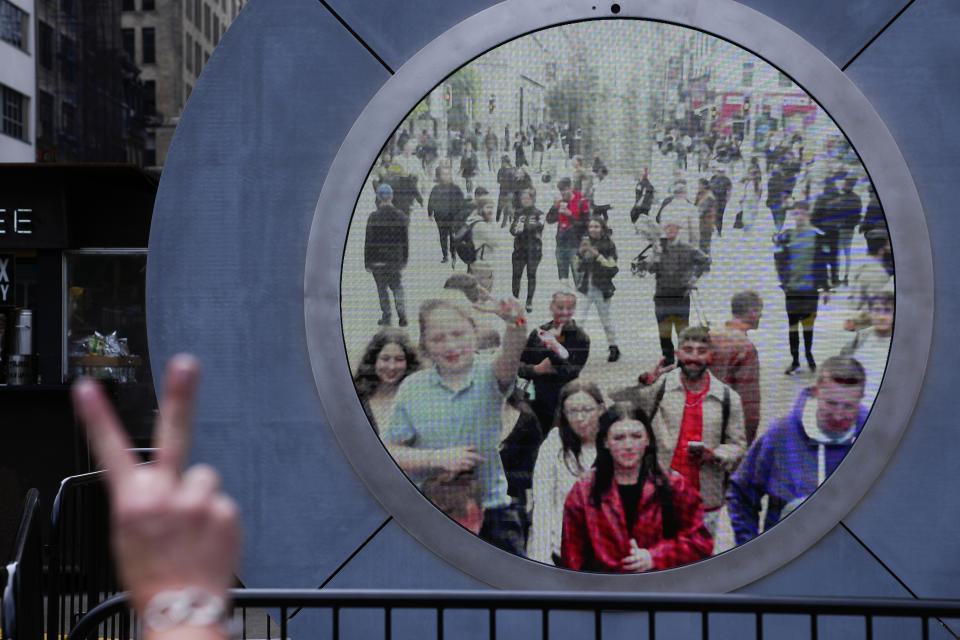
172, 530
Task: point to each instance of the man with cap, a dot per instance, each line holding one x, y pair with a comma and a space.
385, 253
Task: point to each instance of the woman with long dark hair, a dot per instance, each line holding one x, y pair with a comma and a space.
629, 516
564, 457
596, 264
387, 360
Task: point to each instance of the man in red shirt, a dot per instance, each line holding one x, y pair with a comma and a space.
570, 213
698, 424
735, 359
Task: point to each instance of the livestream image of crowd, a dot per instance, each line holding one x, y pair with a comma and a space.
617, 296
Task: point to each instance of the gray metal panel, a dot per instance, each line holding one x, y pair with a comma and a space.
909, 519
225, 277
395, 560
220, 276
815, 572
838, 29
397, 30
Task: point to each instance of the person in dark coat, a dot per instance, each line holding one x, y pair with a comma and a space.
385, 253
554, 355
801, 266
596, 263
526, 229
644, 197
720, 185
446, 206
848, 208
829, 219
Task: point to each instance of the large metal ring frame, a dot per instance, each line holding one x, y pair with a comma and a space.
810, 69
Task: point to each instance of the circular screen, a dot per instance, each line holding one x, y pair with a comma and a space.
617, 295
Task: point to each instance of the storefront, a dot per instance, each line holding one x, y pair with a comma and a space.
73, 256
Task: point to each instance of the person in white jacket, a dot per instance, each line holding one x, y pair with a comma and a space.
564, 457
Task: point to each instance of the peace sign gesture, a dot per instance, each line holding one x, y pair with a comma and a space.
171, 530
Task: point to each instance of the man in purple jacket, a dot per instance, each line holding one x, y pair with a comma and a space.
797, 452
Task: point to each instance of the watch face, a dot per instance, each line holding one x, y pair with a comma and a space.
711, 231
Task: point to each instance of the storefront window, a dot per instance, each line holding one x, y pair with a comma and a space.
105, 329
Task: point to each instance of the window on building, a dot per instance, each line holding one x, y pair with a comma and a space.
206, 58
15, 114
66, 6
150, 97
216, 30
13, 25
197, 65
68, 59
196, 13
188, 52
147, 5
149, 36
129, 39
186, 93
68, 118
128, 5
44, 116
150, 150
45, 49
747, 80
233, 10
206, 21
188, 9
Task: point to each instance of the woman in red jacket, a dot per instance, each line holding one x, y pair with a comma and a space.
629, 515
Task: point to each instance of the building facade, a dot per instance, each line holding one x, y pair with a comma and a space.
88, 96
170, 41
17, 81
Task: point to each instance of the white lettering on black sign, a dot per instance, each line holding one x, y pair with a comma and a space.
22, 222
6, 279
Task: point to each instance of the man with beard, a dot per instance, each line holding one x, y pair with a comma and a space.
698, 423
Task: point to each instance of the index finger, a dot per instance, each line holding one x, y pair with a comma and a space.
107, 436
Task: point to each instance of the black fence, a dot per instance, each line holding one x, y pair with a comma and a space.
21, 617
340, 614
80, 565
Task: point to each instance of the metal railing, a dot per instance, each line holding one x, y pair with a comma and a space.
21, 617
80, 565
545, 615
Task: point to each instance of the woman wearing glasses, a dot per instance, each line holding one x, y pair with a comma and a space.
564, 457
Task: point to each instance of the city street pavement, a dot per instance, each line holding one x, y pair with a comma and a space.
741, 260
